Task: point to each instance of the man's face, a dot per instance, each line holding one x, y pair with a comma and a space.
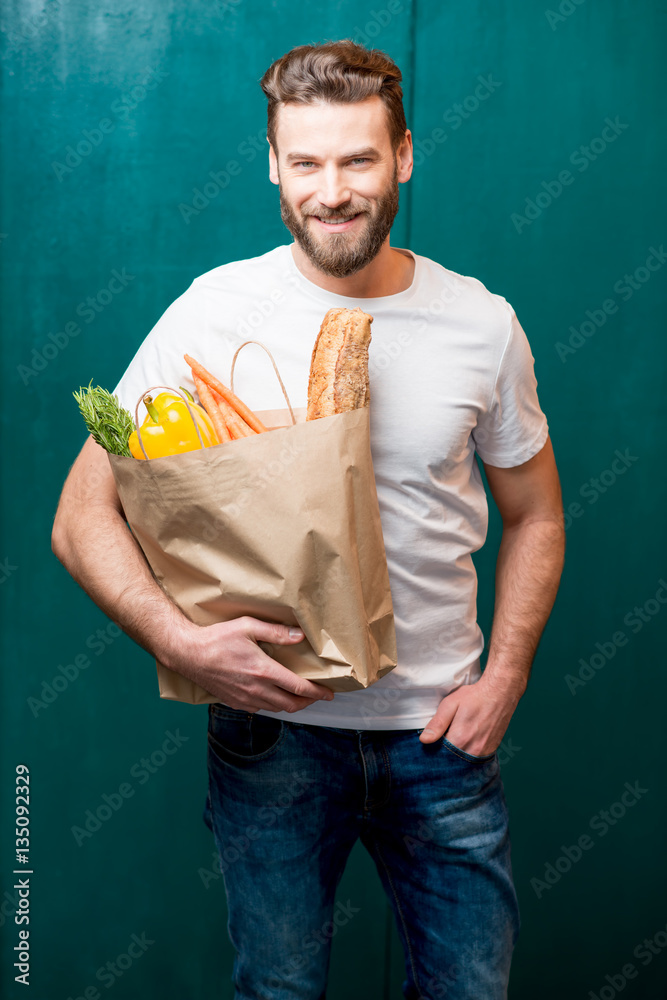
335, 162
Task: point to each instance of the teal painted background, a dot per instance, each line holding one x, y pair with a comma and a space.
164, 94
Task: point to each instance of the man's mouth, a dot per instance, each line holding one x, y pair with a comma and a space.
337, 221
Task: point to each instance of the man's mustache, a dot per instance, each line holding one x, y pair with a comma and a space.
333, 215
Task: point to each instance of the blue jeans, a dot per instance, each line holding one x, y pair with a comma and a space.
287, 802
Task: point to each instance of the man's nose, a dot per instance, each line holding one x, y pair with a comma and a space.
333, 190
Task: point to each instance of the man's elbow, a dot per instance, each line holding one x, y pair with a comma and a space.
60, 536
552, 530
553, 542
88, 496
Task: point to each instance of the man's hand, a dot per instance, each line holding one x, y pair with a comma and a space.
226, 660
474, 717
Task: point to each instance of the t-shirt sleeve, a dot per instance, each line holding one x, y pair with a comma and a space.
513, 427
159, 359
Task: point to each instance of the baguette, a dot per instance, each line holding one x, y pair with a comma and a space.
338, 379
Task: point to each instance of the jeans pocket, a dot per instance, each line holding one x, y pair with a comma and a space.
240, 737
464, 755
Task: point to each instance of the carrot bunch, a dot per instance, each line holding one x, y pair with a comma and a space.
231, 418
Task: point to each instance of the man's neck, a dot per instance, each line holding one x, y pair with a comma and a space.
387, 274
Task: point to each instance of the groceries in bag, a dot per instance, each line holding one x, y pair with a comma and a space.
282, 526
337, 383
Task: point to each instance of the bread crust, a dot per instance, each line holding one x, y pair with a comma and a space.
338, 379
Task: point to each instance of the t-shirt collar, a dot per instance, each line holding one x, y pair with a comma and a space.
330, 299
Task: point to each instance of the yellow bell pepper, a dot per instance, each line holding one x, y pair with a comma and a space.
169, 429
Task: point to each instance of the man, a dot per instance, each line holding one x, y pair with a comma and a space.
296, 776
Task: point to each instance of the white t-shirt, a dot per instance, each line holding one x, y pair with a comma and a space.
451, 373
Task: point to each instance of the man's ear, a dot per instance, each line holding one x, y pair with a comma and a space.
273, 165
404, 159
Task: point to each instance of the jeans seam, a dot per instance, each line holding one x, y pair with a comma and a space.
402, 918
388, 766
363, 764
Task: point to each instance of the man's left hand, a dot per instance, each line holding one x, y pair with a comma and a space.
474, 716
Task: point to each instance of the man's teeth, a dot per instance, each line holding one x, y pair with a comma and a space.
336, 222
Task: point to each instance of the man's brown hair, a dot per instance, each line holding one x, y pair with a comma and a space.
339, 72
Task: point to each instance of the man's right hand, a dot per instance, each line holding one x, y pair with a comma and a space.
226, 660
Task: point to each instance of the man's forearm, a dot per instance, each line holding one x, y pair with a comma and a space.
107, 562
528, 571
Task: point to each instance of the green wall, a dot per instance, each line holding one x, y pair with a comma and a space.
71, 70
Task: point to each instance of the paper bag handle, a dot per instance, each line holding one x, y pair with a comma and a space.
176, 393
275, 367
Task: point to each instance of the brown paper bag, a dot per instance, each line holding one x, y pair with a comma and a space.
283, 526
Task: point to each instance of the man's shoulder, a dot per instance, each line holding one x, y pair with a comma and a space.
452, 293
468, 291
229, 275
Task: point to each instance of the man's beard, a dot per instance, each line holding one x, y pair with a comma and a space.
341, 254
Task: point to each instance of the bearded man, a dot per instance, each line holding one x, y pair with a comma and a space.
409, 765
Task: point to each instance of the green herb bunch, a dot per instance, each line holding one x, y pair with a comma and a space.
109, 424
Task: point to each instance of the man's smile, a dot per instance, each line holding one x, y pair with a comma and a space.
335, 223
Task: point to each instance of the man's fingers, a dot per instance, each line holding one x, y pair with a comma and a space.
432, 732
270, 632
275, 699
275, 687
286, 679
289, 702
284, 691
439, 724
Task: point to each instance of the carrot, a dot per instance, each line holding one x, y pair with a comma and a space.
237, 426
208, 402
227, 394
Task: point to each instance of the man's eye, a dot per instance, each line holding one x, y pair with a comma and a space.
311, 163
